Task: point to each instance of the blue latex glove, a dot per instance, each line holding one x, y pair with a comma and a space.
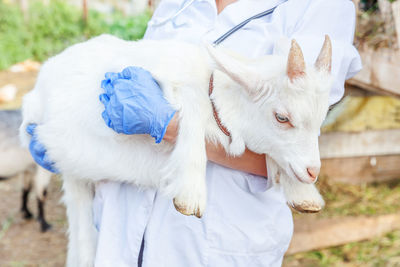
38, 151
134, 103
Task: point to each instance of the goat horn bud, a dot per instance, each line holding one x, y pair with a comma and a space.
296, 66
324, 60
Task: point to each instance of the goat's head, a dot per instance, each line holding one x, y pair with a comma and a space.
286, 105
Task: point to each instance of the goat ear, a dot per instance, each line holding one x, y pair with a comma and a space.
324, 60
296, 66
234, 68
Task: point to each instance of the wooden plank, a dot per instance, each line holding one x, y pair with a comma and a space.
370, 88
352, 90
380, 70
311, 233
368, 143
362, 169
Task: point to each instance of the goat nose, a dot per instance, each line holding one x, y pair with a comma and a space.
313, 172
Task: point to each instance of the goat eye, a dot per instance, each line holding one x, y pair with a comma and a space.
280, 118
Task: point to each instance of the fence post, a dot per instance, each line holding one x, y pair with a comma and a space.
24, 8
357, 5
85, 12
396, 16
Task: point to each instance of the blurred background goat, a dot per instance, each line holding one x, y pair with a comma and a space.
16, 161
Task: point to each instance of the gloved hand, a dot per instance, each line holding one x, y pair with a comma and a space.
134, 103
38, 151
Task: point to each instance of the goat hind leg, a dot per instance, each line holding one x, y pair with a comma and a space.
26, 189
78, 197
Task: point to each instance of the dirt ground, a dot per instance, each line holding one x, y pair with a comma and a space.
21, 242
24, 81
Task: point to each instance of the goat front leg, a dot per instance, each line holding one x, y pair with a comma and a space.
78, 198
300, 196
184, 175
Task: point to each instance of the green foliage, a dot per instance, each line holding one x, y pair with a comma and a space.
371, 5
49, 29
129, 28
52, 28
13, 36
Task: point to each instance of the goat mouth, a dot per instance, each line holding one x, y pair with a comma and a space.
297, 176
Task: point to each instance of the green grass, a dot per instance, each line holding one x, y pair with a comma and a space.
382, 251
18, 264
48, 29
5, 225
365, 199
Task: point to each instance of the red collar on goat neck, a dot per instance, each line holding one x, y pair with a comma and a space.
216, 117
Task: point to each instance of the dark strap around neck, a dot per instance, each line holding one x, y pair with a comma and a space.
215, 113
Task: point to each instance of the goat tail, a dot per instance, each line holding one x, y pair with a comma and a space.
32, 113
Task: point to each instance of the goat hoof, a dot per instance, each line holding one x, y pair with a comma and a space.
182, 208
27, 214
44, 227
307, 207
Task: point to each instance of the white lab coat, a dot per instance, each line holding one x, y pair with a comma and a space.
246, 223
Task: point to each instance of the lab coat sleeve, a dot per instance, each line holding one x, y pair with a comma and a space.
337, 19
165, 10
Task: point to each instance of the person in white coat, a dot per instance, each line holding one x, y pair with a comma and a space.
246, 223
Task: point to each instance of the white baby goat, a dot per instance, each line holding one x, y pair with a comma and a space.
272, 105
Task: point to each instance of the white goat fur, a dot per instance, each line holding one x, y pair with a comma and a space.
65, 105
